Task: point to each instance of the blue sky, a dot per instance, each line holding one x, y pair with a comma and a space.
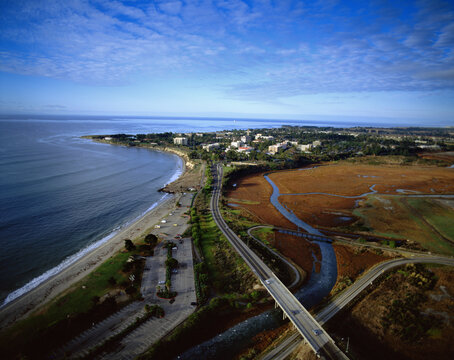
280, 59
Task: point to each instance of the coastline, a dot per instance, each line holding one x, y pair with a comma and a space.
50, 288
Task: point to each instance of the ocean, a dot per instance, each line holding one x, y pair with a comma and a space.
61, 195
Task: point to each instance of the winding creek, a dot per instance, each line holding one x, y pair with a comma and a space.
237, 338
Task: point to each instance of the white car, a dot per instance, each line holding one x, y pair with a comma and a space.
268, 281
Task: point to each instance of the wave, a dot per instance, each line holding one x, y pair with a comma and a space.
75, 257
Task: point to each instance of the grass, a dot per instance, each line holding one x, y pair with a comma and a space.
75, 301
409, 219
243, 201
436, 215
263, 234
210, 236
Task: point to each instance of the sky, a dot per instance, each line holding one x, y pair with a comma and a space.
323, 59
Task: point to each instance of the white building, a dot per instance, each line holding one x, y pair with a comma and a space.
316, 143
180, 141
236, 144
273, 149
305, 148
246, 138
209, 147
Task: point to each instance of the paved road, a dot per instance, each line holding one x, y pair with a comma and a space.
316, 337
296, 273
143, 337
292, 341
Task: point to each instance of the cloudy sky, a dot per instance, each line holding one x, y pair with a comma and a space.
259, 58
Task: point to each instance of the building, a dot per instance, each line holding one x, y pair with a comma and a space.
209, 147
245, 149
246, 138
273, 149
236, 144
180, 141
316, 143
264, 137
304, 148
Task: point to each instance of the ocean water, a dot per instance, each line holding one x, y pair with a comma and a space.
61, 196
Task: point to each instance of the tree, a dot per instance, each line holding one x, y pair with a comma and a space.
151, 239
172, 263
129, 245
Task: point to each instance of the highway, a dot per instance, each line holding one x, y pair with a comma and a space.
307, 326
285, 348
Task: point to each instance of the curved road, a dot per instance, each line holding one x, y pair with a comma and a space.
313, 333
292, 341
288, 263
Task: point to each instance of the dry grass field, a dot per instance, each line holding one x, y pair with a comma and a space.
387, 210
253, 193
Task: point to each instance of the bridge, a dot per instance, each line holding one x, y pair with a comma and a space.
318, 339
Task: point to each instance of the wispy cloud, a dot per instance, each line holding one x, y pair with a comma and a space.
257, 49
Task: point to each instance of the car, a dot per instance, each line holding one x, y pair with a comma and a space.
162, 282
194, 303
316, 332
174, 248
163, 221
268, 281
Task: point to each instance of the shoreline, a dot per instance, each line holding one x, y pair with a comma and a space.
49, 289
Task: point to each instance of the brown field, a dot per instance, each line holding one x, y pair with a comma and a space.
298, 250
320, 210
388, 213
353, 261
253, 193
447, 156
353, 180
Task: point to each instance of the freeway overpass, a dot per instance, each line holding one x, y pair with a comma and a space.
320, 342
339, 302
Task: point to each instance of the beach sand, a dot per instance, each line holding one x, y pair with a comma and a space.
43, 293
34, 299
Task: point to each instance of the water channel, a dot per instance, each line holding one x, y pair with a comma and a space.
237, 338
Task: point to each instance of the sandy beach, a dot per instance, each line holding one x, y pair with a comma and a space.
48, 290
32, 300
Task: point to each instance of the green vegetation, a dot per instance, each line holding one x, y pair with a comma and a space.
263, 234
438, 216
89, 301
239, 221
426, 222
171, 263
